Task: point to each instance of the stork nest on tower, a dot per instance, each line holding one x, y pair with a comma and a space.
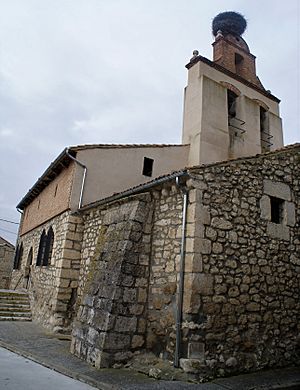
229, 23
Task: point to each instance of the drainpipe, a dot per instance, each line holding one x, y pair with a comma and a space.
83, 177
181, 273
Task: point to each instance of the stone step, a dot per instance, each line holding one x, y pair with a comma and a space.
15, 319
13, 301
15, 309
9, 293
14, 314
12, 304
17, 296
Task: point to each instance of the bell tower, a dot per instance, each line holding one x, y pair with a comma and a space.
227, 111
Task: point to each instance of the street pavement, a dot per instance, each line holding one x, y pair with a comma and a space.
17, 372
35, 343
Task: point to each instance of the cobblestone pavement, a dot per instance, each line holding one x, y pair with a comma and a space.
32, 341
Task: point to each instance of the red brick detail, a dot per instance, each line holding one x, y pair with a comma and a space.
262, 104
231, 87
235, 57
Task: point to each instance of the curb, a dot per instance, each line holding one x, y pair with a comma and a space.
60, 369
291, 384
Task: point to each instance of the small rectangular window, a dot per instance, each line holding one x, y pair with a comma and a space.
148, 166
276, 209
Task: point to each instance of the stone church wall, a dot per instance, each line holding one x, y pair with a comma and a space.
52, 288
248, 318
165, 255
241, 283
112, 302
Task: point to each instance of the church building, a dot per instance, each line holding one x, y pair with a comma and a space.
190, 251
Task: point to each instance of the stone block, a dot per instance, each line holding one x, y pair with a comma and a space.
191, 366
253, 306
136, 309
278, 231
71, 254
64, 283
195, 196
116, 341
92, 336
265, 208
290, 216
191, 302
221, 223
137, 341
193, 262
203, 215
198, 283
69, 273
125, 324
203, 246
277, 189
196, 350
142, 295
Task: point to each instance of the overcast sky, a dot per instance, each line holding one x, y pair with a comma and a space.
112, 71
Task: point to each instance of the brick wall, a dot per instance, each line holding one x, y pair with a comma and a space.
225, 50
53, 200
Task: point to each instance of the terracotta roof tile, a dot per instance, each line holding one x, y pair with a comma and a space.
121, 146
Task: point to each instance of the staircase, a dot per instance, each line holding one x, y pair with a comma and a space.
14, 306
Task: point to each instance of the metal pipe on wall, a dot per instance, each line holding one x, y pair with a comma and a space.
83, 177
181, 273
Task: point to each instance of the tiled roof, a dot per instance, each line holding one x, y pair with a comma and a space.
121, 146
246, 158
63, 161
183, 172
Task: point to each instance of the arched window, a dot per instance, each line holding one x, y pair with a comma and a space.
239, 62
29, 258
49, 247
42, 248
18, 256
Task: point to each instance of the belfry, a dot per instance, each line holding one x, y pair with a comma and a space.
227, 111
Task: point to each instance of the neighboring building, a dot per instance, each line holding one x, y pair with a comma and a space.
210, 243
6, 262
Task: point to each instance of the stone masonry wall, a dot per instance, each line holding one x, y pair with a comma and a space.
164, 268
52, 288
112, 302
6, 262
243, 313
